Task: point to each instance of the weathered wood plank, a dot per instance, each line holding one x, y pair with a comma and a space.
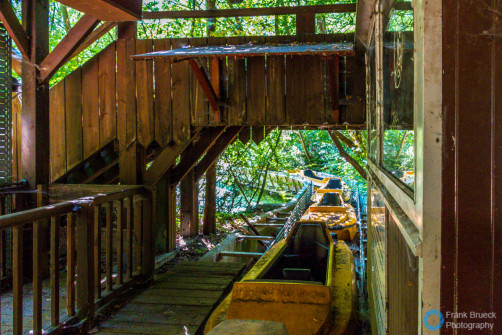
54, 271
295, 93
199, 108
256, 107
189, 286
236, 111
90, 106
314, 90
258, 134
107, 95
97, 252
108, 246
167, 317
110, 327
57, 130
170, 300
163, 108
182, 293
70, 264
181, 96
144, 95
276, 98
17, 279
73, 112
120, 241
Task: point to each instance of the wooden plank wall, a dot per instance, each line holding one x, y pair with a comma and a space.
403, 282
168, 101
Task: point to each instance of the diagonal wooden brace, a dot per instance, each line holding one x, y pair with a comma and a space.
207, 87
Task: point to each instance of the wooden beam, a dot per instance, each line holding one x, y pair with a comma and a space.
14, 28
205, 84
216, 150
108, 10
197, 150
165, 160
67, 46
240, 12
93, 37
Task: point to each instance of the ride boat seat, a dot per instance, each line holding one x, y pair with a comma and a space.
296, 274
331, 199
310, 174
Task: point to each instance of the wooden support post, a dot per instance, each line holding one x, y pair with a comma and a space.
305, 25
189, 206
209, 226
85, 262
129, 149
35, 115
164, 224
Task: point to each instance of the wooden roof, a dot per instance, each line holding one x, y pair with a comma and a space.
252, 50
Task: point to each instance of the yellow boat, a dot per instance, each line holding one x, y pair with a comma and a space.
340, 217
304, 281
324, 183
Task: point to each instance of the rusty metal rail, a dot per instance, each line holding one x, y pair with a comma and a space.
91, 222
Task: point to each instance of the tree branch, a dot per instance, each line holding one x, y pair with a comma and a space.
345, 155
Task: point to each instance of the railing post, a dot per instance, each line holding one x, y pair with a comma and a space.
85, 262
148, 243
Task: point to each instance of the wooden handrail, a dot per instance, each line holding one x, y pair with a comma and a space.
129, 240
40, 213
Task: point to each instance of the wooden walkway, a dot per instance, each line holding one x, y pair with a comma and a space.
179, 302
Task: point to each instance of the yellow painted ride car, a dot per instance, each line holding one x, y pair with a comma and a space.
340, 217
305, 281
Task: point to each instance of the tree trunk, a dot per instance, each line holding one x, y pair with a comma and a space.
304, 146
209, 219
345, 155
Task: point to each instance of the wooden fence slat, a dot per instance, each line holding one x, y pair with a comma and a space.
84, 229
314, 90
37, 276
256, 106
70, 264
90, 106
109, 247
144, 94
73, 111
97, 252
295, 93
199, 105
120, 242
17, 280
276, 99
236, 111
163, 108
129, 237
107, 95
54, 271
137, 238
181, 96
57, 130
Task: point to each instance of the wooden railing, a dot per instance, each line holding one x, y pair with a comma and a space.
90, 222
